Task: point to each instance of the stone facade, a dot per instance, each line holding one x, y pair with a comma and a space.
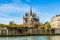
3, 31
30, 19
55, 21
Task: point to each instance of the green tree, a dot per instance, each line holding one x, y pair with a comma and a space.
2, 25
47, 25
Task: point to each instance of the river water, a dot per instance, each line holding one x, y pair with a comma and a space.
31, 38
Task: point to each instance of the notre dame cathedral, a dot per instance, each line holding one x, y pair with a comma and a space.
31, 19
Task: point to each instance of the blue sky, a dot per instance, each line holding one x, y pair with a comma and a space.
13, 10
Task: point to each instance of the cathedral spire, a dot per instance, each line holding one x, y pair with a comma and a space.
30, 10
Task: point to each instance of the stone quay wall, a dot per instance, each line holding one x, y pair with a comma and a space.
28, 31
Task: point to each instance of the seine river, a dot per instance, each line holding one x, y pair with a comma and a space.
31, 38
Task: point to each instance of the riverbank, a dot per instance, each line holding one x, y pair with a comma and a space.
28, 32
29, 35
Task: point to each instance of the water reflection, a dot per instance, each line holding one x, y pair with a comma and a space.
31, 38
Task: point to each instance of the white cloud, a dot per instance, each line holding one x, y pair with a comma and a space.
7, 20
15, 8
7, 9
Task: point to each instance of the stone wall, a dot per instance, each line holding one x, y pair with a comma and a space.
28, 31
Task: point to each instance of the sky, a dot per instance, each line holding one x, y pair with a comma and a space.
14, 10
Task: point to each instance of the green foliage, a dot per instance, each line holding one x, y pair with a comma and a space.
2, 25
47, 25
